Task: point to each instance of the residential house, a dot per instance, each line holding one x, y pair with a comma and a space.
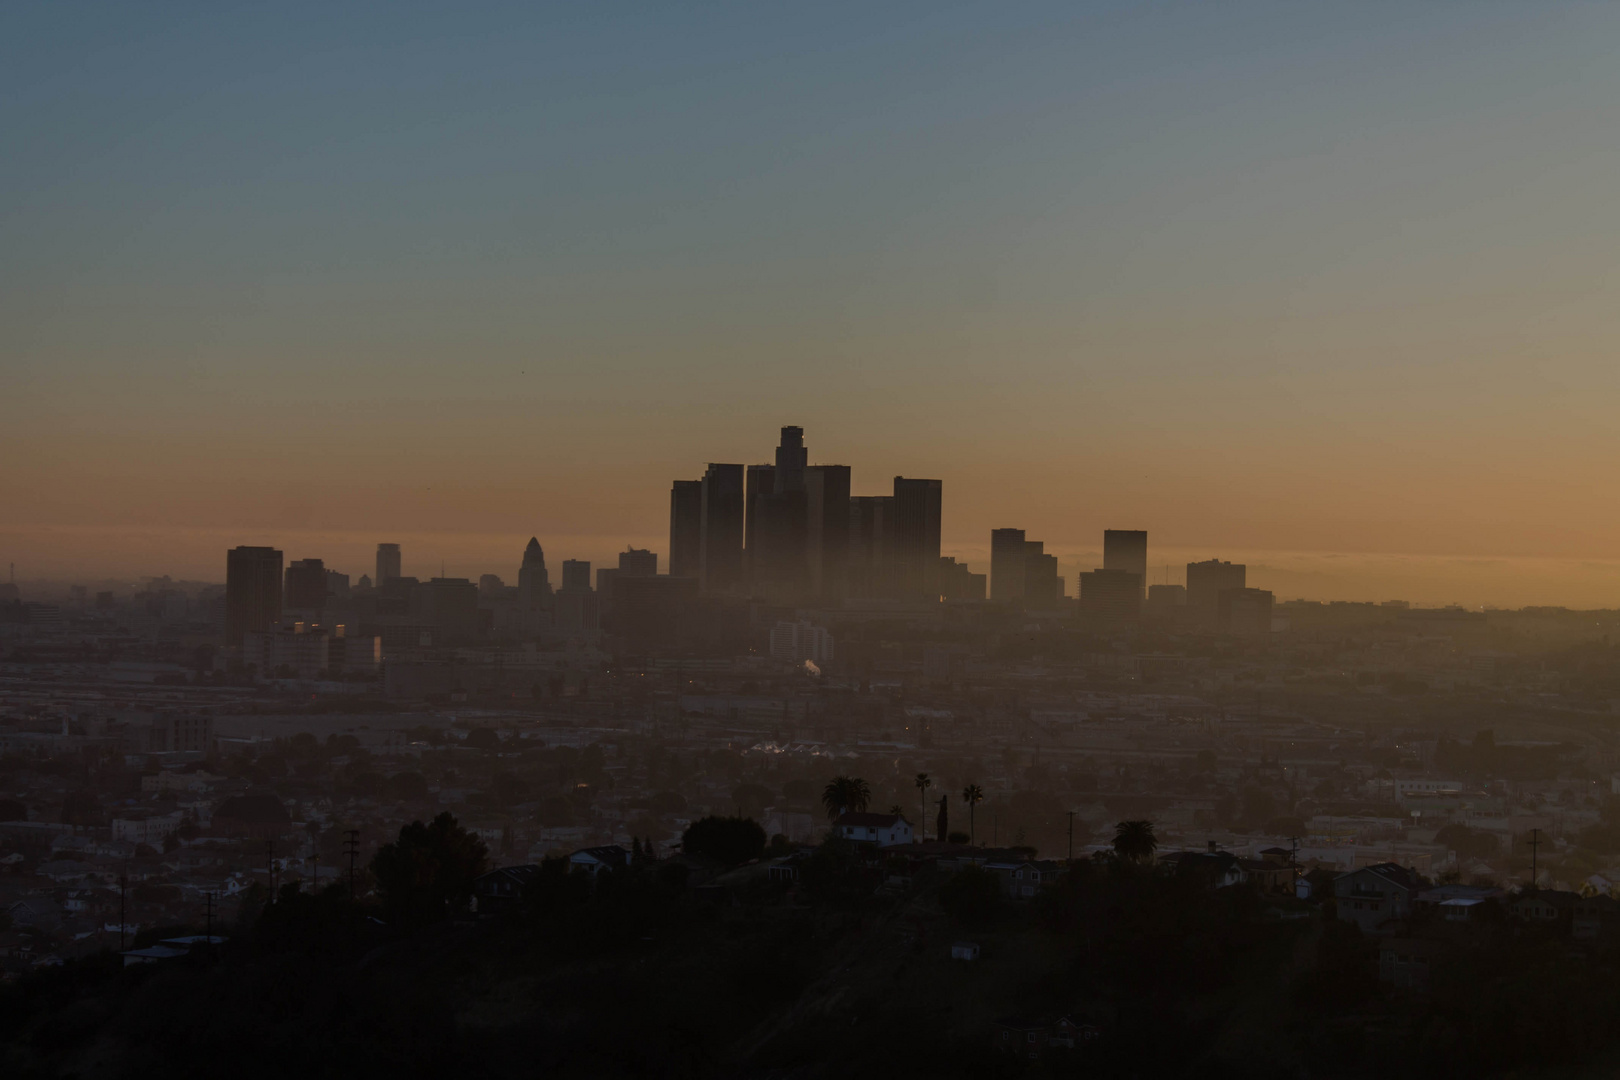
883, 830
594, 860
502, 889
1375, 896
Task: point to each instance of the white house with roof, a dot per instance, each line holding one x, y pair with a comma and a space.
884, 830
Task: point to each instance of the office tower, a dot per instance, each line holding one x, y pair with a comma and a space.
534, 584
605, 577
578, 612
1126, 549
720, 545
252, 592
450, 607
1164, 601
871, 536
387, 563
685, 527
778, 523
761, 481
1042, 586
491, 585
638, 562
306, 586
827, 532
576, 575
1110, 597
957, 582
1244, 611
1007, 548
337, 585
1207, 580
917, 506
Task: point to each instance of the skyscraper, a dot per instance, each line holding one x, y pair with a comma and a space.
1207, 580
252, 592
638, 562
1110, 597
1042, 586
827, 539
1244, 611
778, 523
917, 507
576, 575
387, 563
720, 547
534, 585
306, 586
871, 536
685, 527
1007, 548
1126, 549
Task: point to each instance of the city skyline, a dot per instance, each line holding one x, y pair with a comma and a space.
1352, 323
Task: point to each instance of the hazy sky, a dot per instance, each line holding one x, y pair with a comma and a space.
1311, 278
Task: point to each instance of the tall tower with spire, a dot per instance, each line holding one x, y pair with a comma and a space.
534, 587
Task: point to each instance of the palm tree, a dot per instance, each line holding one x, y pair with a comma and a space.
973, 795
1134, 841
923, 782
845, 795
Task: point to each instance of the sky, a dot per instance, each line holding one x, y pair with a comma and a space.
1329, 287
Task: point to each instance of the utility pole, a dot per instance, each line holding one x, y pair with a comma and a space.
1535, 844
315, 861
123, 881
1071, 836
351, 846
208, 915
270, 867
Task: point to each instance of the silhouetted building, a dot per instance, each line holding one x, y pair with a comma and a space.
1207, 580
957, 582
1007, 548
1166, 600
387, 562
1042, 585
578, 610
915, 563
306, 586
252, 591
778, 520
827, 540
491, 586
761, 481
1244, 611
1110, 597
534, 584
337, 585
871, 539
576, 575
638, 562
720, 549
685, 528
1126, 549
450, 606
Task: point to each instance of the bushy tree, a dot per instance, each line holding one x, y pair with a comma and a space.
730, 840
428, 872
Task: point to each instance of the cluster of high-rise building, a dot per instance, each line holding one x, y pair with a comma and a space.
792, 532
786, 532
